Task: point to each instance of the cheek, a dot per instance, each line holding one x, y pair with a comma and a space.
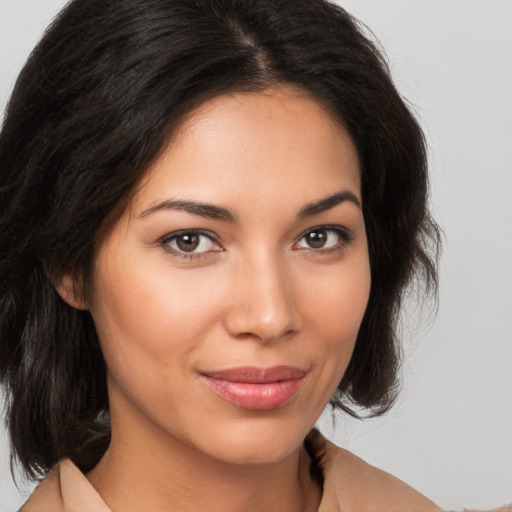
146, 328
148, 316
335, 311
337, 303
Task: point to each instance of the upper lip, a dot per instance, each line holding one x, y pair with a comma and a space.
256, 375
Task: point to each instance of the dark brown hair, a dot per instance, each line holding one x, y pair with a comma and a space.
93, 107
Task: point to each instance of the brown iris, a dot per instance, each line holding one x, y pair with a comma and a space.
316, 239
187, 243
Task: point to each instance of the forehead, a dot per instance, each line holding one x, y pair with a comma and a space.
278, 143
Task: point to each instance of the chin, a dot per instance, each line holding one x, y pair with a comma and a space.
253, 442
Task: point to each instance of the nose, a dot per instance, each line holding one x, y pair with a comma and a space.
262, 302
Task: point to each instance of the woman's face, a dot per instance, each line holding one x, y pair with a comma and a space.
229, 296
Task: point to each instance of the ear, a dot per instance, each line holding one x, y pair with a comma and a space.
71, 292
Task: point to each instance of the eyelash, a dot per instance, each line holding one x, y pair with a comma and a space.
345, 236
166, 240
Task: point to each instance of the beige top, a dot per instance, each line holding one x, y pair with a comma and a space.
350, 485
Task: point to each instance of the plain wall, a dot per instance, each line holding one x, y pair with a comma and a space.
450, 435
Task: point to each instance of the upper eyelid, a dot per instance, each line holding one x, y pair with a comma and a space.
175, 234
215, 237
165, 243
327, 227
345, 235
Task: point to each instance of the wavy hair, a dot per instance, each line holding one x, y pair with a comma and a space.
94, 106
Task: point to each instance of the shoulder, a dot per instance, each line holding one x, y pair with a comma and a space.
65, 489
47, 495
351, 484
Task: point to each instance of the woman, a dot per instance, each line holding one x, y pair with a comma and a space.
209, 214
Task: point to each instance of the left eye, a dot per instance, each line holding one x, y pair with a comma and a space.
321, 238
190, 243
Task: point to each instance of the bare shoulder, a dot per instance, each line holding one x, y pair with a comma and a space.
351, 484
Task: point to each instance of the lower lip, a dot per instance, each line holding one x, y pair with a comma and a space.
256, 397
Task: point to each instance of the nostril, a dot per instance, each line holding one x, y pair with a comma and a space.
265, 321
262, 302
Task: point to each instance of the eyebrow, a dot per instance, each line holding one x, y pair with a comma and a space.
210, 211
220, 213
329, 202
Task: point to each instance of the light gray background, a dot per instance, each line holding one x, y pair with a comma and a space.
450, 436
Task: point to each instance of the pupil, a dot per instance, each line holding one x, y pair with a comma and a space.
187, 243
316, 239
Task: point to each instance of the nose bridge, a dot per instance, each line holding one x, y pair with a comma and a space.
263, 303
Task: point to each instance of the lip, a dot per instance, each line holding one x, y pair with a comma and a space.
256, 388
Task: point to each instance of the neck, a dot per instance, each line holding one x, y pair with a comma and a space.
163, 472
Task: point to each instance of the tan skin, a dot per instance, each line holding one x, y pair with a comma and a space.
270, 286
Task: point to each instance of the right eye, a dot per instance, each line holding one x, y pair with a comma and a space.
190, 243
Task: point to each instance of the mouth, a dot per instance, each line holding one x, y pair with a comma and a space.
255, 388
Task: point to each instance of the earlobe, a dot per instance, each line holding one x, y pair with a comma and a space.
70, 292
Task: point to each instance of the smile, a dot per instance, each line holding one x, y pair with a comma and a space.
256, 388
